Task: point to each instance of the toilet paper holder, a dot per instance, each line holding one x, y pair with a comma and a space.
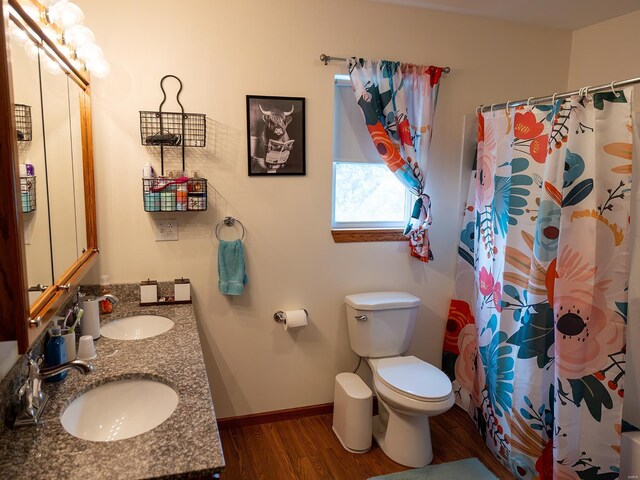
280, 317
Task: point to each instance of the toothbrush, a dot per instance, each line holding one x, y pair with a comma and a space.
78, 317
66, 318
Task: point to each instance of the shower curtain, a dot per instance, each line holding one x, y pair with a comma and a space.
535, 339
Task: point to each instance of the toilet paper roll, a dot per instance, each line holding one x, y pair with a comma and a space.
295, 319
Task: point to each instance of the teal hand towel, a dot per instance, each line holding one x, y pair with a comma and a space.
232, 276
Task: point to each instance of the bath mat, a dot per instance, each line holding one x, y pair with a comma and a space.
469, 468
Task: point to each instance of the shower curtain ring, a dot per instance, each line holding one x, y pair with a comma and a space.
613, 90
584, 91
529, 101
553, 98
479, 109
491, 110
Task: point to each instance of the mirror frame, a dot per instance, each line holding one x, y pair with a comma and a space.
15, 312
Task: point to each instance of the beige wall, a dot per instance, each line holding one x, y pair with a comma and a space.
225, 50
601, 54
605, 52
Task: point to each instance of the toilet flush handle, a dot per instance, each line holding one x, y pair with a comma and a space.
361, 318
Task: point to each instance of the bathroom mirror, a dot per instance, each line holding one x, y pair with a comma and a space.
63, 158
63, 167
29, 135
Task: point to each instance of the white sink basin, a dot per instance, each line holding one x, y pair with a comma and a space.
136, 327
119, 410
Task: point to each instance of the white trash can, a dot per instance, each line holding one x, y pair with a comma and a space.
352, 412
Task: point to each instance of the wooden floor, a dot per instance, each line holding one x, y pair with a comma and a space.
306, 448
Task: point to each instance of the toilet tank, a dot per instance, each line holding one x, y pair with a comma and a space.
381, 323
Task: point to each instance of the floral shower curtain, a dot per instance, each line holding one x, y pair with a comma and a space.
536, 333
398, 102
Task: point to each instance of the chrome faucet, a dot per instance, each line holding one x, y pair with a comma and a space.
32, 398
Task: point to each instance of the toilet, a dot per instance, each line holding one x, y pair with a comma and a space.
409, 390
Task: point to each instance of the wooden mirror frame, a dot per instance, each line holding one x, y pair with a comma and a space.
15, 313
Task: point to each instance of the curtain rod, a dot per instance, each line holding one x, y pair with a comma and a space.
556, 96
326, 59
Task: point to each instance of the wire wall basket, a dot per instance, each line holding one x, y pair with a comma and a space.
28, 193
23, 122
173, 129
163, 194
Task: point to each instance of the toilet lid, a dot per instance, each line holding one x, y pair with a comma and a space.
414, 378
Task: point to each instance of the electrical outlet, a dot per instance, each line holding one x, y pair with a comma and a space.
167, 229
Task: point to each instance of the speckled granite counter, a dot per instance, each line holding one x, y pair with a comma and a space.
186, 445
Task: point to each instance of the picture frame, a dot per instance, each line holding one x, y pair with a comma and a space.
276, 135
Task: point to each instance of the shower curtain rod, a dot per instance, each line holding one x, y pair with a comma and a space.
326, 59
556, 96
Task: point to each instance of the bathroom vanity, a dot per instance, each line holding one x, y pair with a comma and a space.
185, 445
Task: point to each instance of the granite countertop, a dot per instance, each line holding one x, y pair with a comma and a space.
186, 445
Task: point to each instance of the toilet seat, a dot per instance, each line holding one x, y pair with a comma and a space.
411, 377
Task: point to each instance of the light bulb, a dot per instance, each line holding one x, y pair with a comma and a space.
31, 50
31, 10
99, 67
66, 14
89, 52
51, 65
18, 35
50, 32
79, 35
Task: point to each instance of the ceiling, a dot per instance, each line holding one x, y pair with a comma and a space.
564, 14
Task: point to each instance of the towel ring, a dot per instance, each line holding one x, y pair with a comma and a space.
229, 222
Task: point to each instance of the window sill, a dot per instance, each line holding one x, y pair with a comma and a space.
352, 235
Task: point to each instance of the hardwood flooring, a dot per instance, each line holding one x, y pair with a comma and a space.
307, 449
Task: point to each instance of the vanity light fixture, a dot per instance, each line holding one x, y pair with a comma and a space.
61, 21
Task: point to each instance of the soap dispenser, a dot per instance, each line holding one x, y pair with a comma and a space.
105, 288
55, 353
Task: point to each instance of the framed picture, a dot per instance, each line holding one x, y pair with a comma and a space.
275, 135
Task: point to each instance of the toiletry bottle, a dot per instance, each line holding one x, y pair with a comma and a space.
55, 353
105, 287
147, 171
181, 197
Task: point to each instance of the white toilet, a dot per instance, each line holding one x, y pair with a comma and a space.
409, 390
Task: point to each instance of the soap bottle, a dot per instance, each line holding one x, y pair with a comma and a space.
55, 353
105, 287
147, 171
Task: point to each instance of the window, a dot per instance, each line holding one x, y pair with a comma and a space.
366, 194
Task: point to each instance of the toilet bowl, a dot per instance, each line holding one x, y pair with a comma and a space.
409, 390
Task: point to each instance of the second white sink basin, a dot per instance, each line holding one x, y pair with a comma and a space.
119, 410
136, 327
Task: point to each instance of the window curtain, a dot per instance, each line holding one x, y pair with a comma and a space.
535, 339
398, 102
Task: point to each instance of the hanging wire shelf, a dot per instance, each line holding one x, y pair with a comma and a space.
164, 194
23, 122
28, 193
173, 129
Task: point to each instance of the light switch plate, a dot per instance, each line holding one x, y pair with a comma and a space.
167, 230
